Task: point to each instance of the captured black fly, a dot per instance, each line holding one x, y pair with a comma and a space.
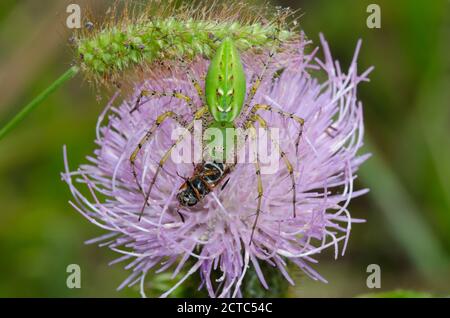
206, 177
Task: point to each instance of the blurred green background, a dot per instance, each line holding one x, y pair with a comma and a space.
407, 118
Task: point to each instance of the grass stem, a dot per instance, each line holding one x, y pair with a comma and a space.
69, 74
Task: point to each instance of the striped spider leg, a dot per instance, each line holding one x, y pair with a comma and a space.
150, 132
257, 82
192, 79
251, 119
260, 77
161, 94
160, 119
249, 125
197, 116
175, 94
264, 107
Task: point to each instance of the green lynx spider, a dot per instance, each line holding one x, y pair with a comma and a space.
225, 99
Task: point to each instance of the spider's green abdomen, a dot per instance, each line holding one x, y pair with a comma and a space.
225, 85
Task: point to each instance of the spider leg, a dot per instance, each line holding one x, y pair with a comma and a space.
259, 78
256, 83
159, 120
252, 128
282, 113
287, 163
160, 94
197, 86
198, 115
195, 83
186, 70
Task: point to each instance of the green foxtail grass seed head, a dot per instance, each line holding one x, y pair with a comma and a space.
131, 41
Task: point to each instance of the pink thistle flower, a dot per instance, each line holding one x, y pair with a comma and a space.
215, 235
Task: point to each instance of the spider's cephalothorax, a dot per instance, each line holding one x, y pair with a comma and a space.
207, 176
226, 99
